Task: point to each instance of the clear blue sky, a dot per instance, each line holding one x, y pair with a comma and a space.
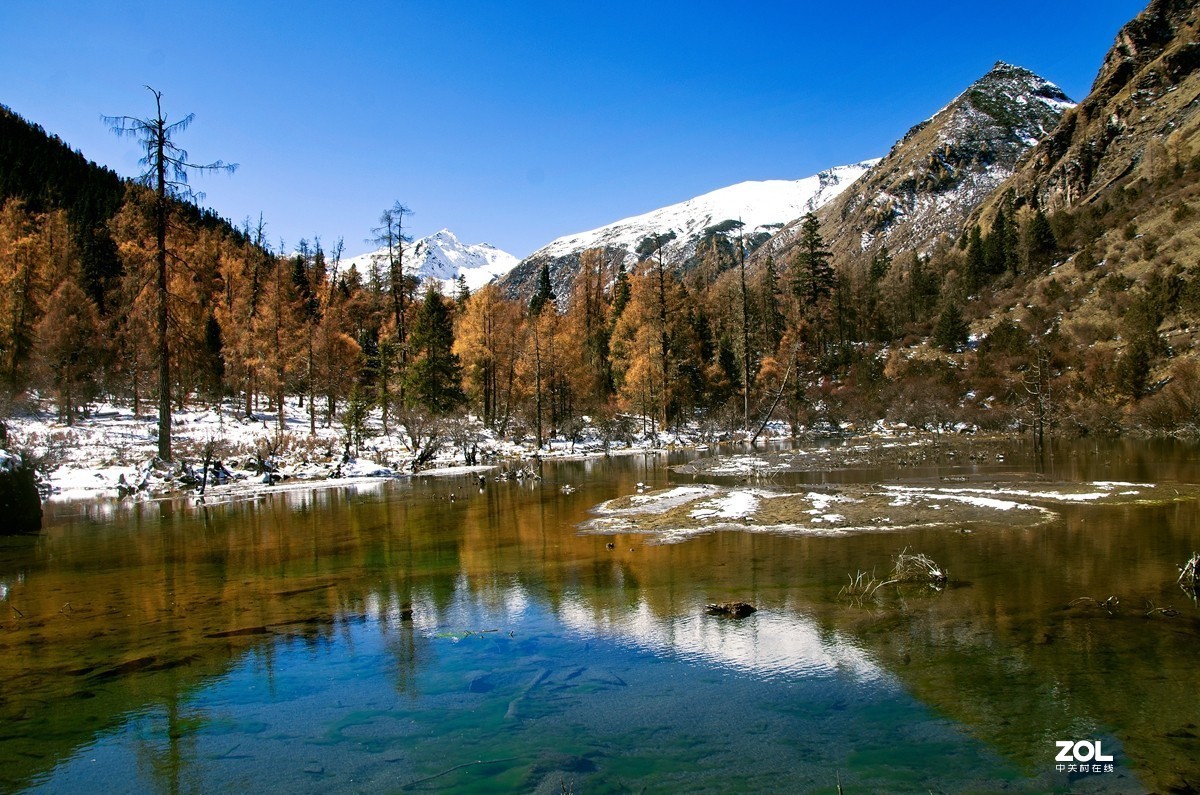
511, 122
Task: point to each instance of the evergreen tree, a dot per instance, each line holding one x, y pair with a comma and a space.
544, 294
772, 321
922, 289
881, 263
620, 294
1000, 246
976, 267
877, 325
1038, 244
812, 275
434, 378
951, 332
461, 291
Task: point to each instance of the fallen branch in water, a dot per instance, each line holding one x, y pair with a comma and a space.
914, 567
1109, 605
1168, 611
448, 771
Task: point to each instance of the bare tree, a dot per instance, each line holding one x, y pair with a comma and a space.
167, 168
390, 235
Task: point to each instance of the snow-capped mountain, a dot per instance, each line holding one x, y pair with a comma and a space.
941, 170
442, 256
761, 206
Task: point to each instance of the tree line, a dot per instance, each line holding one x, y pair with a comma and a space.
203, 312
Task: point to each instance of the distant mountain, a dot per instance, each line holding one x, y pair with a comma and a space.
442, 256
941, 170
761, 207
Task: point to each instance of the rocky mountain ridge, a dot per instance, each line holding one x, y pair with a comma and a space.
940, 171
1144, 101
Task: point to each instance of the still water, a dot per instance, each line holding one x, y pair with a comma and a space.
428, 635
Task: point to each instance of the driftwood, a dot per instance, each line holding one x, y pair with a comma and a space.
1109, 605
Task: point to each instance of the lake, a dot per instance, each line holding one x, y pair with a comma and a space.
428, 634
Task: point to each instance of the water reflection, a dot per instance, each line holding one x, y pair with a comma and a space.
376, 638
768, 645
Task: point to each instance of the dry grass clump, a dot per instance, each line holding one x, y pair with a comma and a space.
1189, 573
918, 568
862, 586
910, 568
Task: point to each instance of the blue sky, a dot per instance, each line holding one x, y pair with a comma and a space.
514, 123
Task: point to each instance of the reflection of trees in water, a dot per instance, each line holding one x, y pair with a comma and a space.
165, 746
195, 590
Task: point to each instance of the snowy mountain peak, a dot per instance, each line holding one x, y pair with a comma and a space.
760, 206
442, 256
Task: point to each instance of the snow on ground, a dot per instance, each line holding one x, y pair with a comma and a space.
111, 452
738, 504
675, 515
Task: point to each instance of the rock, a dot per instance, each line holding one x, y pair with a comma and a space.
20, 503
731, 609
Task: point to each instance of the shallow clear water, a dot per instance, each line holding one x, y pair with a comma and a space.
389, 638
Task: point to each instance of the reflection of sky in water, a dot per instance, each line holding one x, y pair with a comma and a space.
493, 692
765, 644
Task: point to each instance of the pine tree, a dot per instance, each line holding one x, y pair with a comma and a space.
434, 378
620, 294
877, 325
951, 331
922, 289
544, 293
976, 267
1038, 244
812, 275
772, 320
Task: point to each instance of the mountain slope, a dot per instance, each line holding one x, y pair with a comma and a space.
442, 256
760, 206
1120, 180
941, 170
1147, 91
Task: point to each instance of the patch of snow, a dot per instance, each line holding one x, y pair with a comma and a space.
662, 501
732, 505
